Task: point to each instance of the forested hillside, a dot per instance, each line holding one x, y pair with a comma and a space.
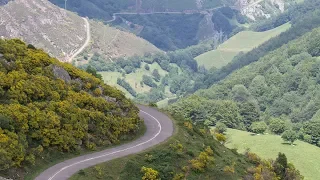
303, 17
281, 88
48, 107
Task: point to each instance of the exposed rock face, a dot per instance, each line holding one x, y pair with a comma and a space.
44, 25
254, 9
61, 73
110, 99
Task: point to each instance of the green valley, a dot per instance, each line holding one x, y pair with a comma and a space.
146, 82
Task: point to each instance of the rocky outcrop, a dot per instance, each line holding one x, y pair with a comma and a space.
257, 9
61, 73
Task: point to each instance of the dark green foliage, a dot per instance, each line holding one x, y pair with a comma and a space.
289, 136
258, 127
312, 128
199, 110
250, 113
156, 75
127, 86
152, 104
314, 45
168, 32
93, 71
147, 80
221, 128
147, 67
221, 22
6, 123
280, 165
277, 126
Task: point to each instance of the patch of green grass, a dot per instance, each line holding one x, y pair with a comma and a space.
55, 157
169, 162
242, 42
135, 78
304, 156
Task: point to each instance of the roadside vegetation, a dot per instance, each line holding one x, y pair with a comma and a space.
192, 153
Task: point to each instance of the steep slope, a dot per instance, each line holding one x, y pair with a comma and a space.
64, 34
283, 84
262, 9
50, 109
40, 23
242, 42
110, 43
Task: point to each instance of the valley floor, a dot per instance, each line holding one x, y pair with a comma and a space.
304, 156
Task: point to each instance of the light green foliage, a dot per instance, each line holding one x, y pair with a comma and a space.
259, 127
40, 109
278, 126
241, 42
199, 109
289, 136
220, 127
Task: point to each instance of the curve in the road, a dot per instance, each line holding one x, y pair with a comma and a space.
85, 43
159, 128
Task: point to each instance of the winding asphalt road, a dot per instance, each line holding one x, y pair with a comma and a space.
159, 128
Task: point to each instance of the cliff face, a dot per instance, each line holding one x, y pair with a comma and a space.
257, 9
44, 25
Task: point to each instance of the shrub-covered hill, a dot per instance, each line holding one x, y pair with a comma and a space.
49, 105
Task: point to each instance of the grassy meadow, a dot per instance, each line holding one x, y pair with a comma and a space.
241, 42
303, 155
134, 79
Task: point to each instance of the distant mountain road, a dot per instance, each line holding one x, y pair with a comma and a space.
159, 128
85, 43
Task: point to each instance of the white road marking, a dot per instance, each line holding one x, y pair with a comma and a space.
89, 159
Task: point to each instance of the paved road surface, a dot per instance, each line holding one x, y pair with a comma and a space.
85, 43
159, 128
